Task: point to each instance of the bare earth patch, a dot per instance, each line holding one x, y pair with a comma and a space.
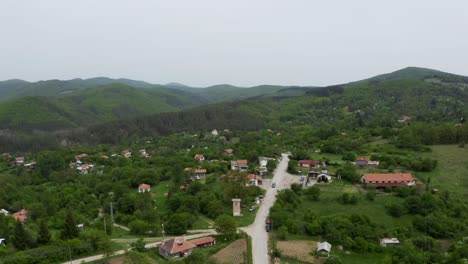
234, 253
299, 249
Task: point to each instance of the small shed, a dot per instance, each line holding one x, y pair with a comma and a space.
2, 241
384, 242
323, 248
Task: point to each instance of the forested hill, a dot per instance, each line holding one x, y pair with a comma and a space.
382, 103
425, 96
91, 106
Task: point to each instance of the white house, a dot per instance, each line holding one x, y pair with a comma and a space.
214, 132
2, 241
384, 242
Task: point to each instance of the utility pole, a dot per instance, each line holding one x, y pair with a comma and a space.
105, 228
69, 254
112, 213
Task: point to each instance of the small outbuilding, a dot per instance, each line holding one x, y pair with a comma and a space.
384, 242
323, 248
144, 188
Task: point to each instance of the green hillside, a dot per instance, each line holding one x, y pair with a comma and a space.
372, 104
91, 106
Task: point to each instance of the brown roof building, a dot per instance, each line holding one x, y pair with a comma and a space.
176, 248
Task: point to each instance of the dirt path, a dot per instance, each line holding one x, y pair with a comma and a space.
205, 232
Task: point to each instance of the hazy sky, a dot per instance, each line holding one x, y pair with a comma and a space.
241, 42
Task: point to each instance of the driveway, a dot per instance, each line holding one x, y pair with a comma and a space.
257, 230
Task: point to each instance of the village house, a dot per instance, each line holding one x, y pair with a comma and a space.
199, 157
144, 154
21, 215
323, 248
255, 179
6, 155
310, 164
30, 165
85, 168
240, 165
144, 188
176, 248
81, 156
19, 161
200, 174
2, 241
204, 242
228, 152
126, 153
388, 180
384, 242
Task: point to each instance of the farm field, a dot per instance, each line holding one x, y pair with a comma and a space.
235, 253
298, 250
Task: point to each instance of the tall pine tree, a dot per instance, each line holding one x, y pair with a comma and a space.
44, 235
70, 230
21, 239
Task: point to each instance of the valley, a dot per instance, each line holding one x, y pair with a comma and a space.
130, 165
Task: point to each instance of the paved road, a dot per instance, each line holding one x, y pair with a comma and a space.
204, 232
257, 229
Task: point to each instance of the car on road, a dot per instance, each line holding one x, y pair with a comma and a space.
252, 208
302, 179
268, 224
273, 185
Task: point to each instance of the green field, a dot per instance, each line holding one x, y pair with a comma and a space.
329, 205
451, 173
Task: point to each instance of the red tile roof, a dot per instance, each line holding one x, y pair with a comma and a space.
144, 186
176, 245
200, 171
203, 241
242, 162
254, 177
363, 159
21, 215
391, 179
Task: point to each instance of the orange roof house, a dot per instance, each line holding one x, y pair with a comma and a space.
255, 179
388, 180
240, 165
144, 188
21, 215
176, 248
308, 163
199, 157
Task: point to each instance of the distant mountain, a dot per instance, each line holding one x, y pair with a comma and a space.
90, 106
17, 88
377, 102
417, 73
226, 92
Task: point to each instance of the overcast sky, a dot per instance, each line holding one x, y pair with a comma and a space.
241, 42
